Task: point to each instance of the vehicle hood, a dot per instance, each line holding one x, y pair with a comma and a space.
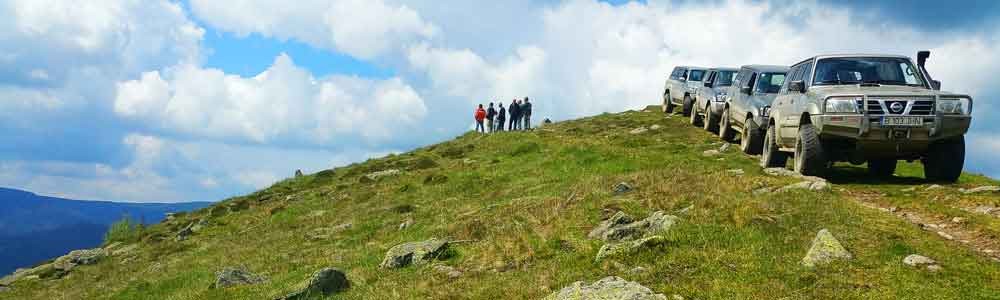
885, 90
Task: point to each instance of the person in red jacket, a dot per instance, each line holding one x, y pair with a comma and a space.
480, 116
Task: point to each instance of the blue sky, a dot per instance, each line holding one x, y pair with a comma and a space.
200, 100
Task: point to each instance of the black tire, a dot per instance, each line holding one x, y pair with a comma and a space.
668, 105
771, 156
694, 118
710, 122
688, 105
752, 139
944, 160
883, 168
726, 131
810, 160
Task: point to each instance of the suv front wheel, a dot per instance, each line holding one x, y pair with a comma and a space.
668, 106
809, 157
726, 131
772, 157
944, 160
688, 106
751, 142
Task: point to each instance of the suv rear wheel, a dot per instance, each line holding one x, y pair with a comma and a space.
882, 167
687, 105
772, 157
809, 157
695, 118
944, 160
726, 132
752, 140
710, 122
668, 106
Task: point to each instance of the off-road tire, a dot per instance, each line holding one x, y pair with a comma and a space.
883, 168
944, 160
726, 131
687, 106
694, 118
771, 156
810, 160
752, 140
668, 104
710, 122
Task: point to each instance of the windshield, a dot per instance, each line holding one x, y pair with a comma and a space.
866, 70
770, 83
724, 78
696, 75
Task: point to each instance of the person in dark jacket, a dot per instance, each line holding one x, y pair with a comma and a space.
501, 117
490, 114
513, 112
526, 113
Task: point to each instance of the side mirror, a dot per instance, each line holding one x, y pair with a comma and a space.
746, 90
683, 78
708, 84
797, 86
936, 85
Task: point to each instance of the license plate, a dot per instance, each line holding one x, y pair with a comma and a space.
902, 121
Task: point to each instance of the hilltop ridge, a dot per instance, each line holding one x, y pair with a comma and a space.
636, 199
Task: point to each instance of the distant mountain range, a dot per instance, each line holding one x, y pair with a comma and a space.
35, 228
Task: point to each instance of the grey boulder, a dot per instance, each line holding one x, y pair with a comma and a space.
325, 282
606, 289
233, 276
413, 253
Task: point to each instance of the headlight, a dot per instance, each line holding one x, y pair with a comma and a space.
954, 106
841, 105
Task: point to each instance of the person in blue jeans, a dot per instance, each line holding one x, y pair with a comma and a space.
501, 118
514, 115
525, 111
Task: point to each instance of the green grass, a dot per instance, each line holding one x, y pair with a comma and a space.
526, 200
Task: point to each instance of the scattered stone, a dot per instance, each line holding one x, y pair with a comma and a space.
298, 173
621, 227
984, 209
825, 248
982, 189
958, 220
723, 148
933, 187
805, 185
763, 190
621, 188
124, 250
608, 288
326, 282
686, 209
79, 258
710, 153
233, 276
677, 297
413, 253
637, 270
917, 260
735, 172
655, 127
406, 224
945, 235
324, 233
790, 173
623, 248
468, 161
380, 174
449, 271
934, 268
639, 130
909, 189
185, 233
316, 213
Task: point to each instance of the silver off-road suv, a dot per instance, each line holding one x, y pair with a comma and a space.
680, 88
747, 103
867, 108
710, 98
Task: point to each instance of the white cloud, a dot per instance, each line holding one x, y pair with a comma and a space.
361, 28
283, 103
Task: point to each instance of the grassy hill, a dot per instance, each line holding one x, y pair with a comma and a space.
521, 205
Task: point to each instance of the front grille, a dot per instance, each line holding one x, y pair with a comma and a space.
898, 106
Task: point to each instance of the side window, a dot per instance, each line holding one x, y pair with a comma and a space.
792, 74
739, 77
710, 78
806, 73
752, 80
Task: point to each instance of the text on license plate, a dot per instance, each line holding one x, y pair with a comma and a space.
902, 121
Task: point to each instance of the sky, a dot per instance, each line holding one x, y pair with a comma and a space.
166, 101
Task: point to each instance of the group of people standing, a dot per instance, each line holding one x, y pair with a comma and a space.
519, 114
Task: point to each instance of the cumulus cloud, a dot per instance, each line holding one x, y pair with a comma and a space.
285, 103
361, 28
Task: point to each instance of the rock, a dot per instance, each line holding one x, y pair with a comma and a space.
621, 188
984, 209
763, 190
608, 288
945, 235
655, 127
298, 173
934, 268
406, 224
380, 174
414, 252
621, 227
710, 153
982, 189
233, 276
825, 248
805, 185
916, 260
958, 220
686, 209
933, 187
186, 232
325, 232
639, 130
449, 271
326, 282
79, 258
735, 172
790, 173
623, 248
124, 250
909, 189
724, 147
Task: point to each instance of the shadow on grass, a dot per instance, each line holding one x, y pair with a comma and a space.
841, 174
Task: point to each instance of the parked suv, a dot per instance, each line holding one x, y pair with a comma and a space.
680, 88
709, 99
747, 103
867, 108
